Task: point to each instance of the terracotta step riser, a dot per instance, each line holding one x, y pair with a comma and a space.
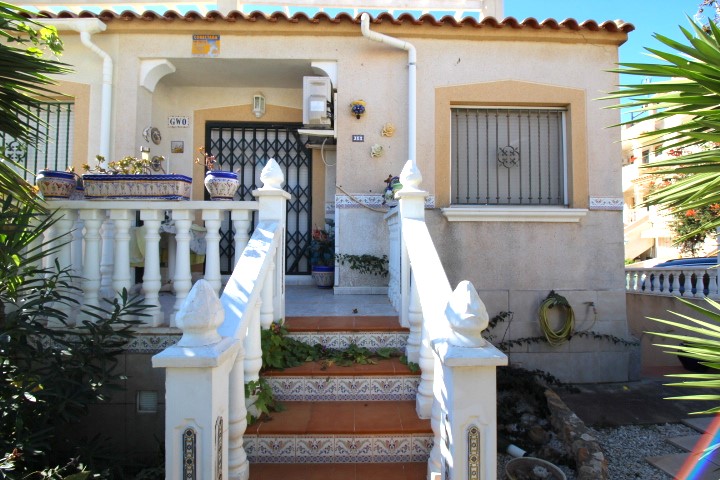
341, 340
344, 388
338, 448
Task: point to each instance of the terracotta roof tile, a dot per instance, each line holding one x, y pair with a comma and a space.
385, 17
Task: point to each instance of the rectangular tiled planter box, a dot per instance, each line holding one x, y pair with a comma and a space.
137, 187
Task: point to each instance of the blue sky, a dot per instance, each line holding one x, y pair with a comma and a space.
648, 16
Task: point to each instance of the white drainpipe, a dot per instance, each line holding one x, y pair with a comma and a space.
412, 79
86, 27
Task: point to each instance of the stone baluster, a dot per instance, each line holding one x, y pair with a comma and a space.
107, 233
713, 283
152, 280
415, 320
183, 278
65, 226
197, 391
266, 305
212, 220
237, 457
76, 254
63, 239
241, 223
464, 388
252, 347
121, 249
393, 222
684, 286
91, 264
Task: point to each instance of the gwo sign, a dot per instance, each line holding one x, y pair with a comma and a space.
176, 121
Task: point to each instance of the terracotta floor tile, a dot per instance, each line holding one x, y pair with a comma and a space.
331, 471
409, 419
301, 324
379, 471
335, 324
277, 471
401, 368
384, 366
377, 417
304, 369
292, 421
374, 324
332, 418
416, 470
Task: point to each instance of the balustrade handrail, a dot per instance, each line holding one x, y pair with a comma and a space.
242, 291
691, 281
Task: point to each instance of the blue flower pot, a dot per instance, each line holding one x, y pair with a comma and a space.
324, 276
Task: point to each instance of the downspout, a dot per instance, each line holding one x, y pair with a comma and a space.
412, 79
86, 27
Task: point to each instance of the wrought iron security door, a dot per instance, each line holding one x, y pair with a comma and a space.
245, 148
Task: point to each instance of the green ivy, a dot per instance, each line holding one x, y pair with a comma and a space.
264, 399
366, 263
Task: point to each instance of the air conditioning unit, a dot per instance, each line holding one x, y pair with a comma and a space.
317, 97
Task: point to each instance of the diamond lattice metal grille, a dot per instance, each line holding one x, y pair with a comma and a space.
245, 148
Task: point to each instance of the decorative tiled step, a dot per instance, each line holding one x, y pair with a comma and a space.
341, 432
338, 471
371, 332
388, 379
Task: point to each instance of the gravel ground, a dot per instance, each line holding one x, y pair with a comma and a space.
626, 449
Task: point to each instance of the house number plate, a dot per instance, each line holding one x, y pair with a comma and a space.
358, 138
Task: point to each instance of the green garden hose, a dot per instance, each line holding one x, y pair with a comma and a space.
556, 337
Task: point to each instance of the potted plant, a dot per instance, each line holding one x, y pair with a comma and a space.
131, 178
322, 255
221, 185
56, 184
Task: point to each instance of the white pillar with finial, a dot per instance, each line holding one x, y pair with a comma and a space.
197, 369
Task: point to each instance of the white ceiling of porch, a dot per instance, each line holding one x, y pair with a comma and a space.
224, 72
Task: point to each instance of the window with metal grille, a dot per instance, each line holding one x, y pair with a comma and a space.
54, 148
508, 156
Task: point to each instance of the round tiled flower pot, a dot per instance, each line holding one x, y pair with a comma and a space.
221, 185
324, 276
55, 185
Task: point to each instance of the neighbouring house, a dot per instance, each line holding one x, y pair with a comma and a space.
500, 116
648, 235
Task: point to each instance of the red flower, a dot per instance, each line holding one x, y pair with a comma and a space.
691, 213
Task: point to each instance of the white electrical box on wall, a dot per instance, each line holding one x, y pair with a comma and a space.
317, 94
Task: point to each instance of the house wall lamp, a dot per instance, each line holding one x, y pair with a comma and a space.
258, 105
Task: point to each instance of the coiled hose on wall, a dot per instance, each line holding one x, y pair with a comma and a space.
556, 337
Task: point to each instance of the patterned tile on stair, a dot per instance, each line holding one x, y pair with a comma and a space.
698, 423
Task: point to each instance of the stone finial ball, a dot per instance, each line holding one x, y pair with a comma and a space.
467, 316
199, 316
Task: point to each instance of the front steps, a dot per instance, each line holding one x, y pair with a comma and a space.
356, 422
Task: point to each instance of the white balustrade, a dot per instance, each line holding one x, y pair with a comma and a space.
457, 383
254, 295
107, 229
686, 281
